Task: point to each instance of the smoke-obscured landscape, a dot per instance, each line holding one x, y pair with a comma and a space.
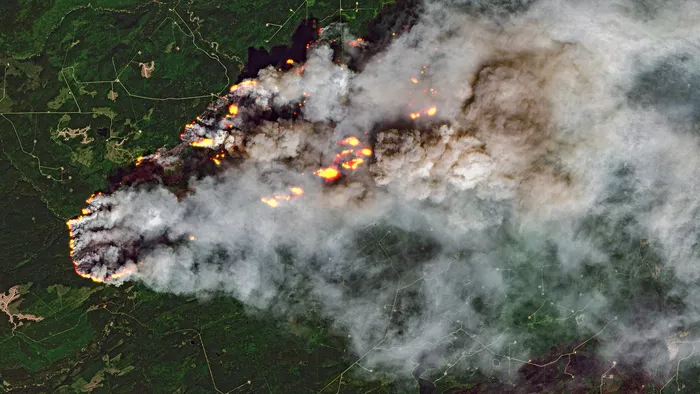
466, 197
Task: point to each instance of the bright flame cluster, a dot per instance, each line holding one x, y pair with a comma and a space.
203, 143
349, 159
431, 111
245, 84
343, 159
274, 201
217, 158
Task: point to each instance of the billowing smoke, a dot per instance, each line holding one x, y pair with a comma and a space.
497, 168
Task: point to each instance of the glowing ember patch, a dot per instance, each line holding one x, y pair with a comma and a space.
415, 115
352, 141
353, 164
297, 191
431, 111
270, 201
364, 152
88, 276
243, 84
290, 61
192, 238
89, 200
328, 174
414, 80
203, 143
218, 157
339, 157
233, 109
125, 272
85, 211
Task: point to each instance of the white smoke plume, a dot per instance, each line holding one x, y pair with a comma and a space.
515, 150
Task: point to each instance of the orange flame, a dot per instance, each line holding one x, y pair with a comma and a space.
218, 157
431, 111
290, 61
203, 143
233, 109
328, 173
339, 157
353, 164
364, 152
275, 200
271, 201
352, 141
123, 272
414, 80
243, 84
92, 196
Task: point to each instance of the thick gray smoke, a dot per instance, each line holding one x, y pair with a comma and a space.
563, 141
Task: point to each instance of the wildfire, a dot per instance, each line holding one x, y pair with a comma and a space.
414, 80
203, 143
92, 197
429, 111
328, 173
353, 164
192, 238
332, 173
352, 141
271, 201
290, 61
123, 272
243, 84
339, 157
88, 276
274, 201
233, 109
218, 158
